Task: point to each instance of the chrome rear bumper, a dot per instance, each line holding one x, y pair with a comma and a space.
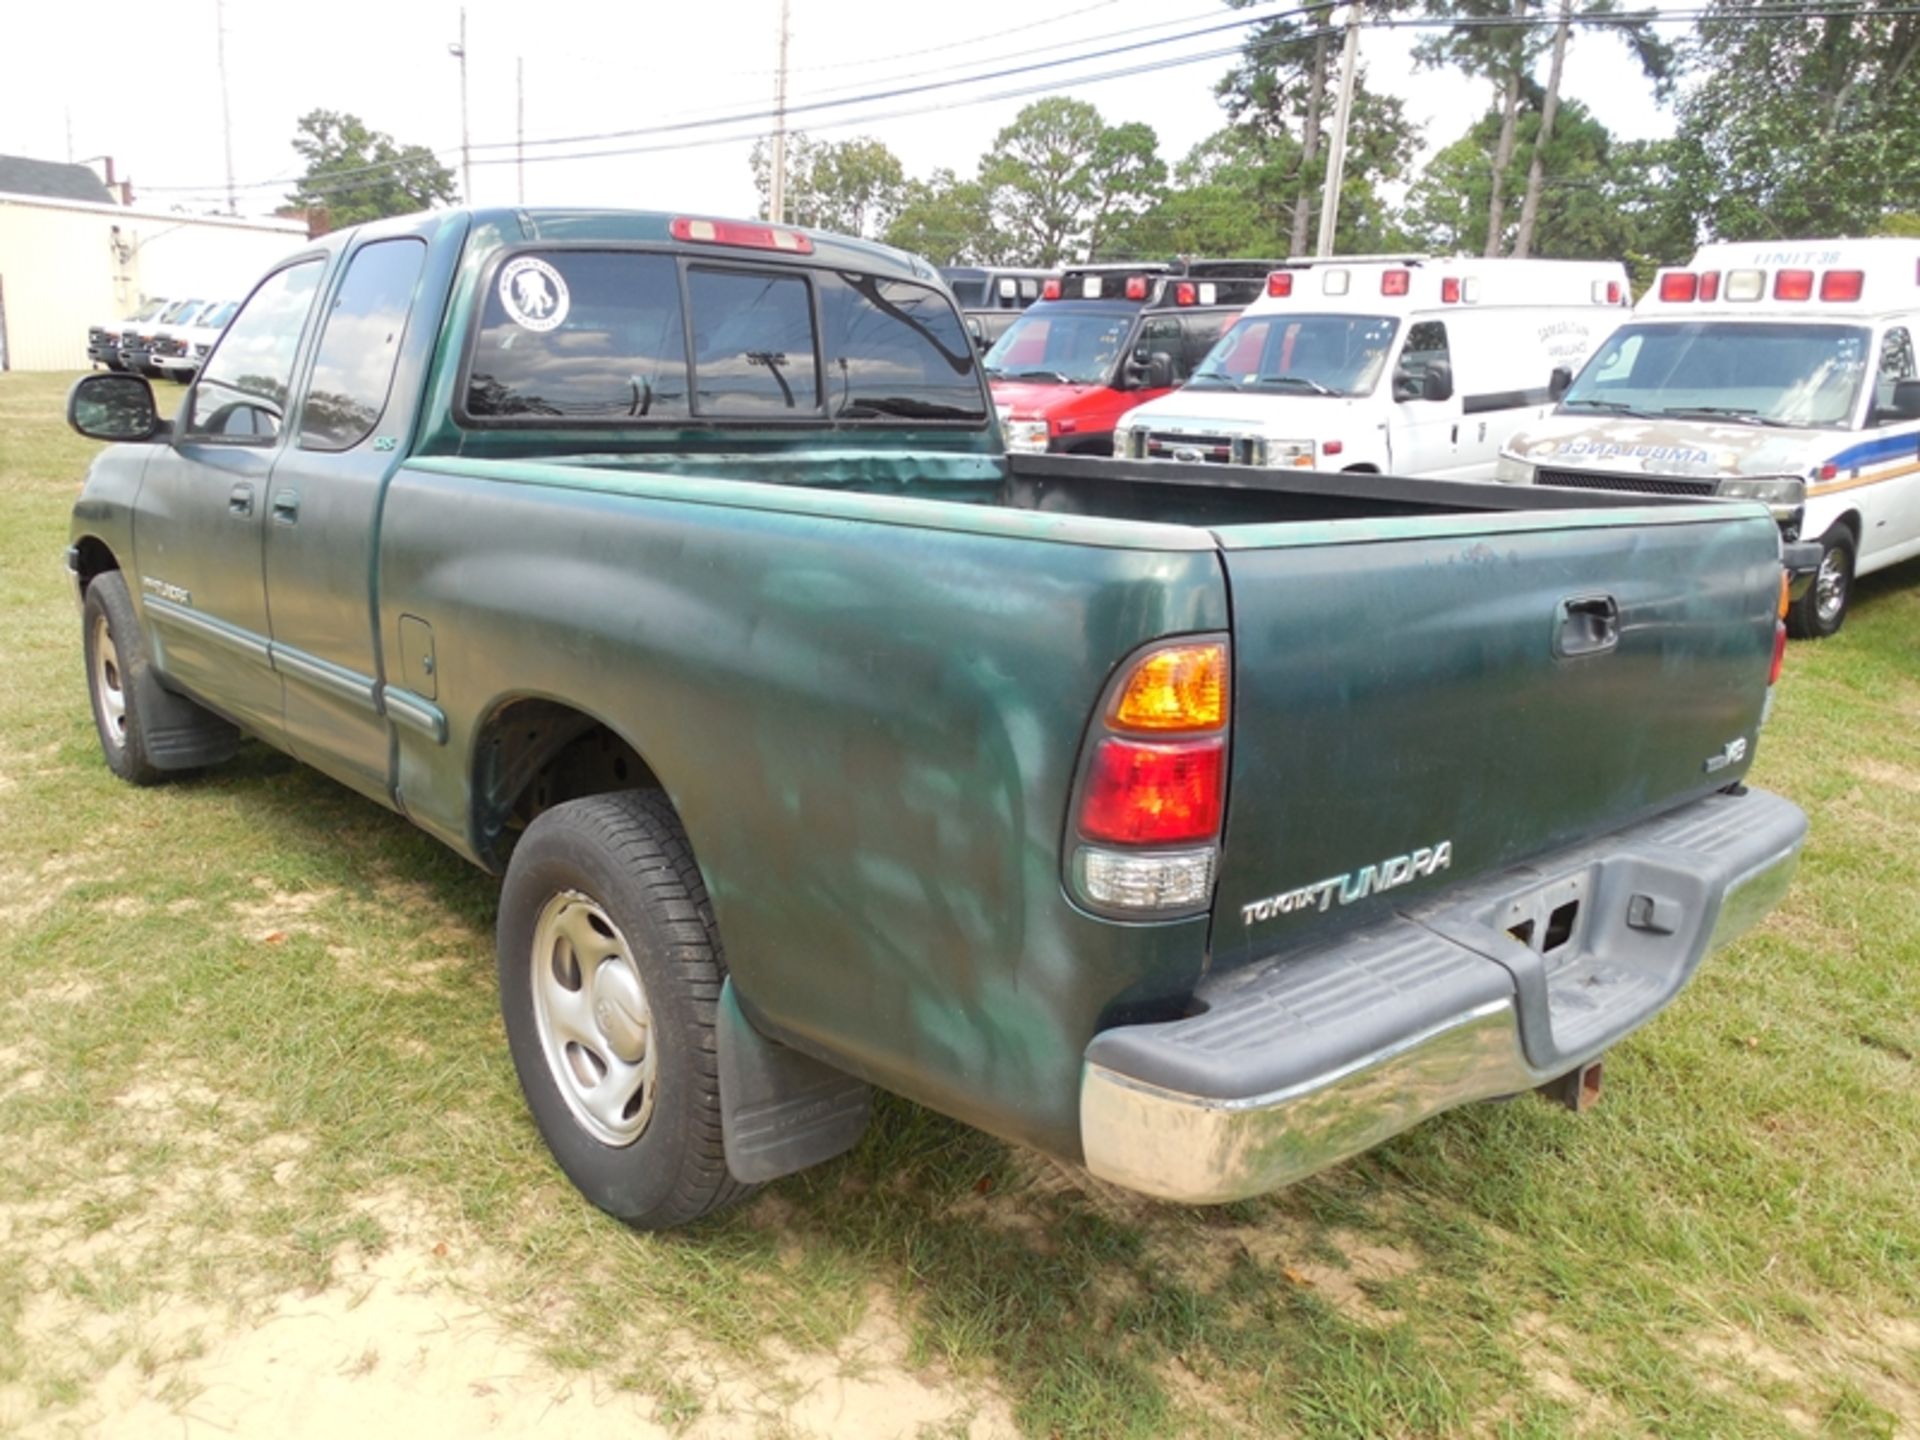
1304, 1060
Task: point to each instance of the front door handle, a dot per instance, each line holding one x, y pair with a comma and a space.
286, 506
1586, 625
240, 500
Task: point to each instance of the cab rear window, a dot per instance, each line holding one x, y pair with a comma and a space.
602, 337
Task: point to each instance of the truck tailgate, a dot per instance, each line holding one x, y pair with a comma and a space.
1418, 701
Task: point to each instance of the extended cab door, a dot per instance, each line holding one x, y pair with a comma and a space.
322, 508
197, 528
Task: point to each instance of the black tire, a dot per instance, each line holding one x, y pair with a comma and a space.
1823, 609
621, 865
116, 655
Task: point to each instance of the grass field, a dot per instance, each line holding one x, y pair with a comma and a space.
259, 1135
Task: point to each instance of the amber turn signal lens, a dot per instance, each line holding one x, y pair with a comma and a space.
1786, 595
1181, 687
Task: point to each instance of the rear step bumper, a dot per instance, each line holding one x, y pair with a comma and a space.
1491, 989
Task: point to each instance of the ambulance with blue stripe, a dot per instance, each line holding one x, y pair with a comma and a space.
1782, 372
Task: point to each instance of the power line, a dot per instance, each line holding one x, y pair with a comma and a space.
866, 97
1605, 21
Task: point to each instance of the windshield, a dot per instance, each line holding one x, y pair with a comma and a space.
147, 311
1753, 373
1063, 344
180, 311
1312, 354
215, 317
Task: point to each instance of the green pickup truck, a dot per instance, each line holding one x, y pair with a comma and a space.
1201, 826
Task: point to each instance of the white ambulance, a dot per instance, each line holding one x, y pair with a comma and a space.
1779, 371
1404, 364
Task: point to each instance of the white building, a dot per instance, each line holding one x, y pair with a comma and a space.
68, 262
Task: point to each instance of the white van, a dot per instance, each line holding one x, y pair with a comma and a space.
1404, 364
1774, 371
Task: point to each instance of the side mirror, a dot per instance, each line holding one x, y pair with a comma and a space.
1906, 399
1437, 382
114, 407
1151, 372
1559, 382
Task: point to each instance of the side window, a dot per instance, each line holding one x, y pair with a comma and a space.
752, 344
360, 345
1426, 346
241, 394
1198, 335
1896, 364
1161, 335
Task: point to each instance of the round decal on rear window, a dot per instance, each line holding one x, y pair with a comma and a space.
534, 295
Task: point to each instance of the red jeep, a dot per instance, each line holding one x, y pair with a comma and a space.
1105, 338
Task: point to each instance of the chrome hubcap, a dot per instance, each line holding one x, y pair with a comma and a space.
596, 1028
109, 695
1830, 585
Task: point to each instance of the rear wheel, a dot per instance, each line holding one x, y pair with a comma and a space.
1823, 609
610, 975
116, 652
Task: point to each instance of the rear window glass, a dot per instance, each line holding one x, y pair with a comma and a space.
752, 343
585, 335
894, 350
603, 340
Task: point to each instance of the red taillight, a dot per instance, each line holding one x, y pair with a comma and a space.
1280, 284
742, 233
1450, 290
1679, 286
1793, 284
1184, 294
1136, 287
1779, 653
1710, 285
1142, 794
1842, 284
1613, 292
1394, 282
1050, 290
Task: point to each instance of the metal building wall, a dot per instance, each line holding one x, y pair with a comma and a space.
65, 265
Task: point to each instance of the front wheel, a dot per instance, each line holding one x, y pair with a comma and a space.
116, 653
1823, 609
610, 975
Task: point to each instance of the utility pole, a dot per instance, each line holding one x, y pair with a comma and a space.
226, 109
459, 52
777, 191
1342, 113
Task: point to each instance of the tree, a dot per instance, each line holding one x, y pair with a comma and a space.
1059, 180
1600, 200
1502, 54
854, 187
1656, 59
1282, 91
949, 221
360, 174
1804, 125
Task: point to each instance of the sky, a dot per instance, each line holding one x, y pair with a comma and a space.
140, 82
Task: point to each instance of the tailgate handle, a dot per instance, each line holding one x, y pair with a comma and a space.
1588, 625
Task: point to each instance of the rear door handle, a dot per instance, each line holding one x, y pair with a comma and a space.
1586, 625
240, 500
286, 506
